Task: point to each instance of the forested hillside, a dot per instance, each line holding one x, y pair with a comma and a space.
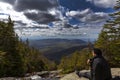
76, 61
16, 57
54, 49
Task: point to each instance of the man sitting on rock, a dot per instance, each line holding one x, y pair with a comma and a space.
100, 69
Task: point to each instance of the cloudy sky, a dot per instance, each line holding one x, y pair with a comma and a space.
57, 18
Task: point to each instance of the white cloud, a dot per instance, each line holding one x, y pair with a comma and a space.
78, 13
8, 10
95, 17
88, 16
56, 12
59, 28
56, 32
32, 11
20, 19
103, 3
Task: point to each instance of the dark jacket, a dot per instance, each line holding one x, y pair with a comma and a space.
100, 69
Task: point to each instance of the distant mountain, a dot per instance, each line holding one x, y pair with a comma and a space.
58, 55
54, 49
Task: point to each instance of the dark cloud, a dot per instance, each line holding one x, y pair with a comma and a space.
68, 26
34, 4
8, 1
21, 5
42, 6
41, 17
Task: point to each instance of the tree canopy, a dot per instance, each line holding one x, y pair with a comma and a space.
16, 57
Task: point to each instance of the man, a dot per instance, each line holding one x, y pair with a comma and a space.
100, 69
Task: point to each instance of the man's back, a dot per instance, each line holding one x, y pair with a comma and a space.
100, 69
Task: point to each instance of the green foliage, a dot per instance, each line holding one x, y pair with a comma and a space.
3, 63
16, 57
109, 38
76, 61
8, 44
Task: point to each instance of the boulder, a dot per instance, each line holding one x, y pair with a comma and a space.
115, 72
73, 76
36, 77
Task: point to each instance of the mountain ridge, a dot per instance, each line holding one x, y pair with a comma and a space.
54, 49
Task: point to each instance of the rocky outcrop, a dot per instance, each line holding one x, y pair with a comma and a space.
54, 75
73, 76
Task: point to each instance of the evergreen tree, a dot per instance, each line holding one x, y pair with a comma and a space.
9, 43
16, 56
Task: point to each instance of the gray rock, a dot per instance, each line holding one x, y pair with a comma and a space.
36, 77
73, 76
115, 72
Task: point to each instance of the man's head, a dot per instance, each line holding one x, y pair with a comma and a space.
97, 52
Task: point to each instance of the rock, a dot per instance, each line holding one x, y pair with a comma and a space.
72, 76
115, 72
55, 76
42, 73
36, 77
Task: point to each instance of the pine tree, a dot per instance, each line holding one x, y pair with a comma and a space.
8, 43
